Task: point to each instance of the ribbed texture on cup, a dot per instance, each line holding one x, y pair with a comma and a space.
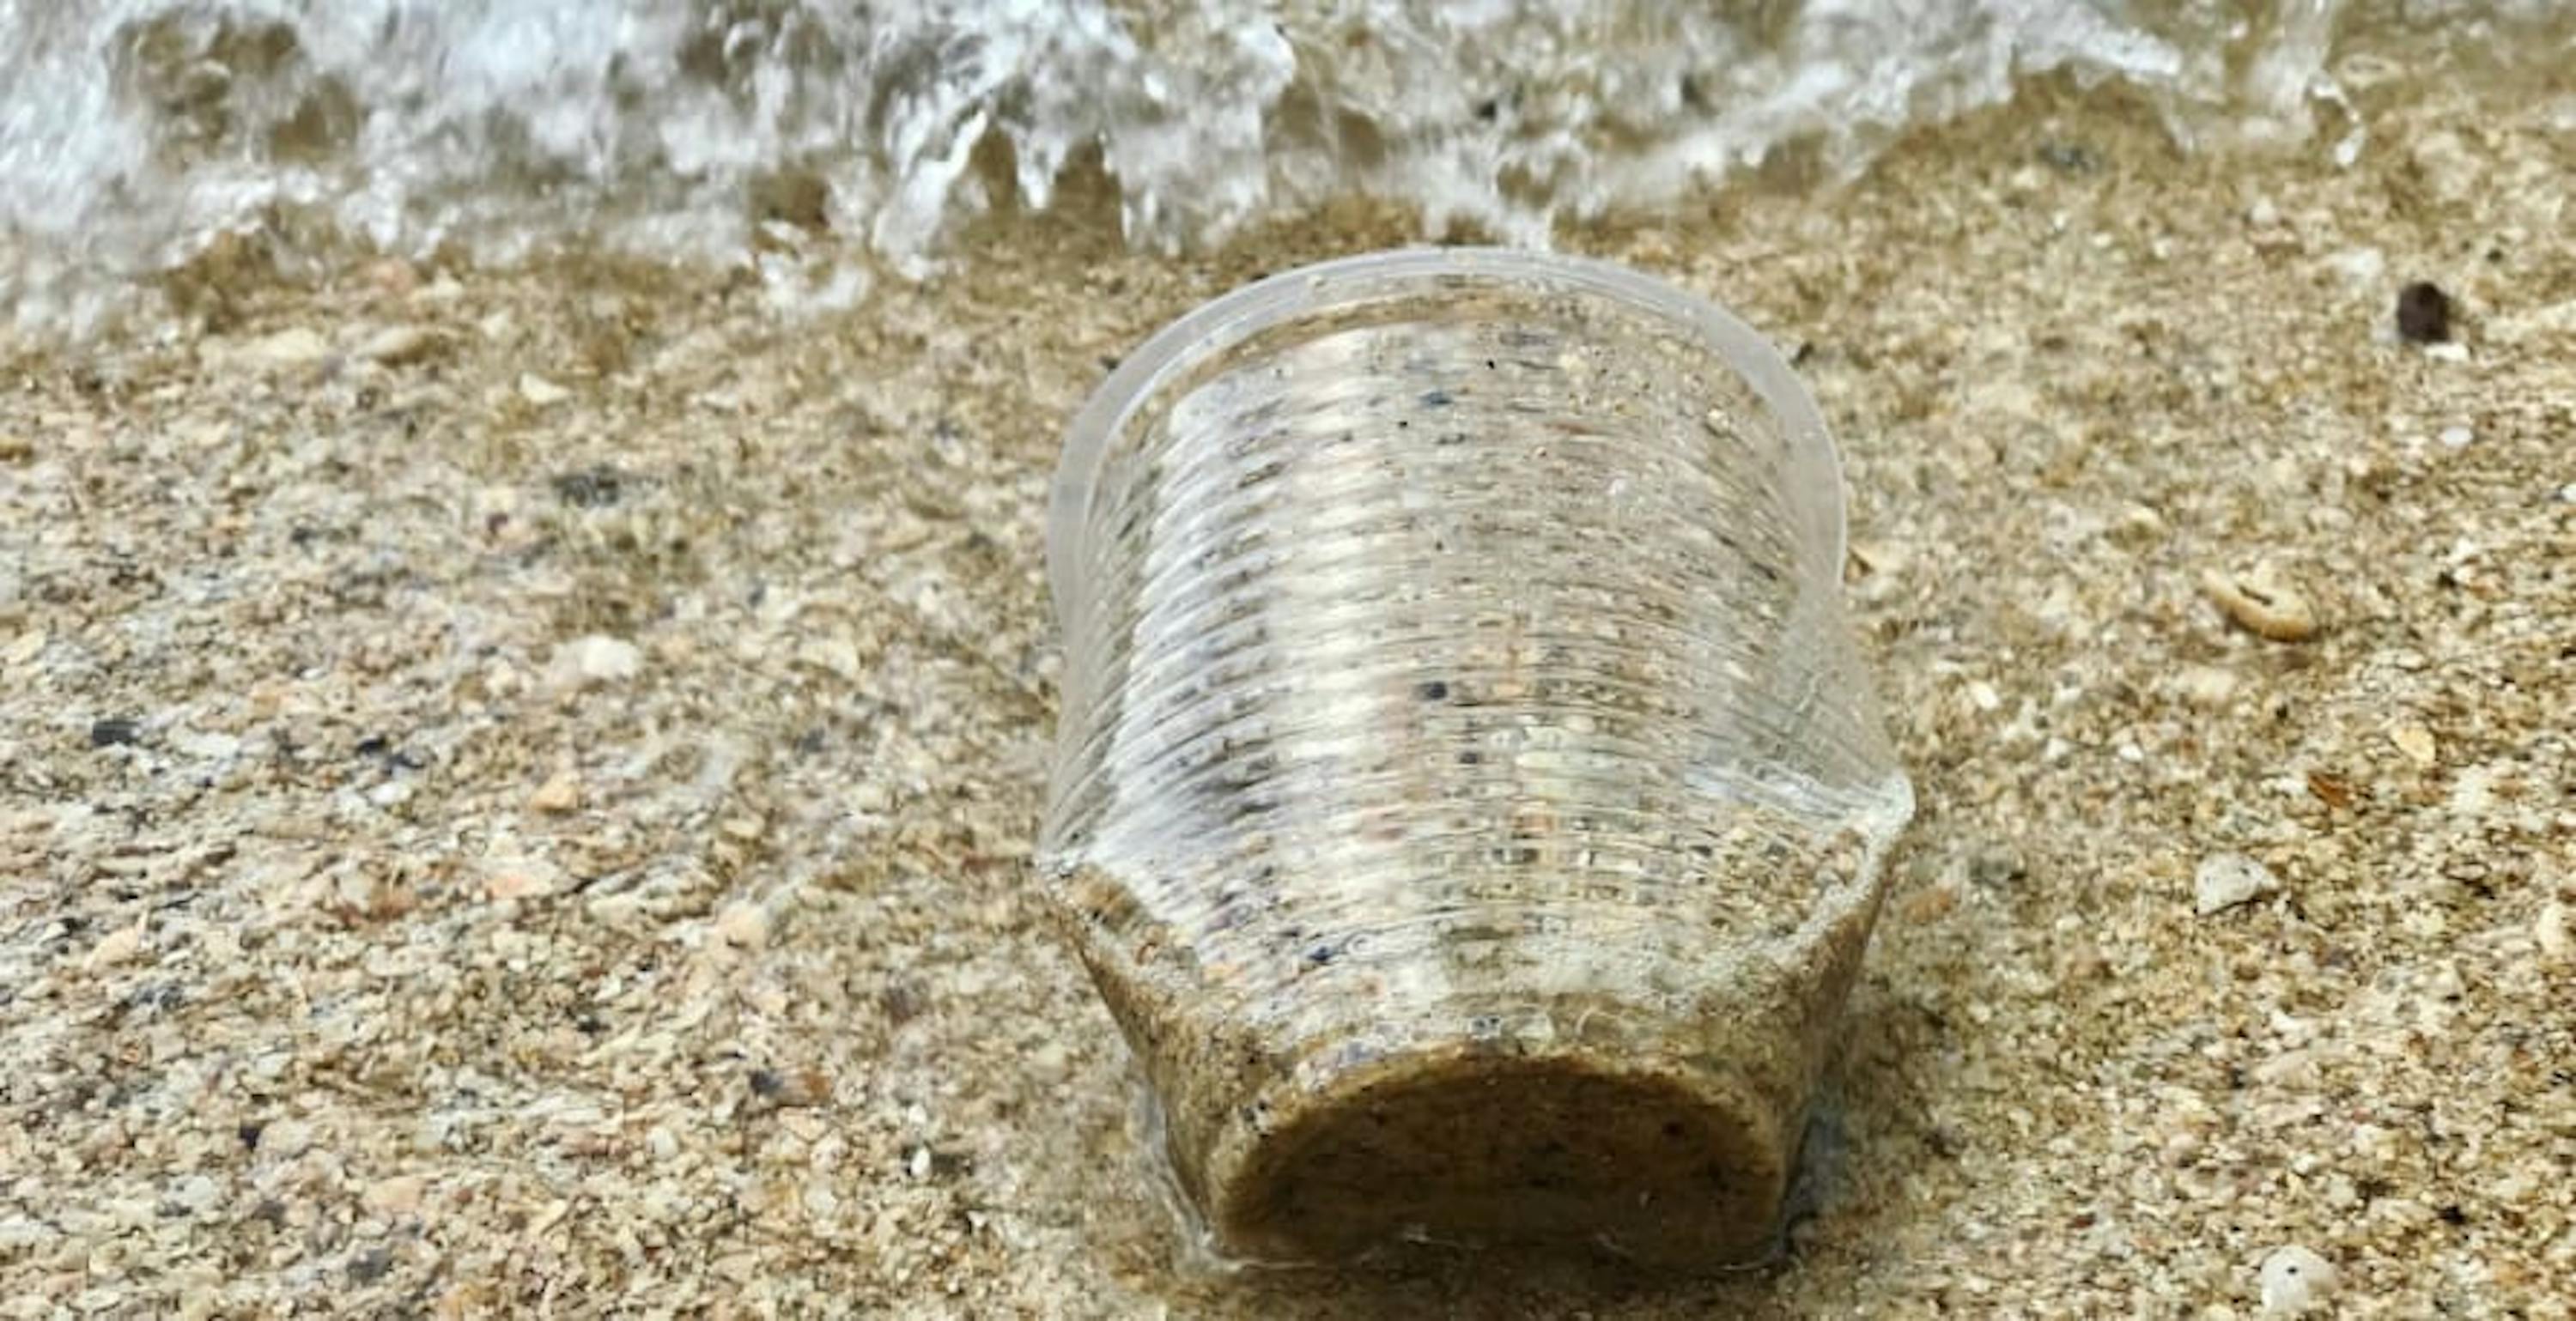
1455, 670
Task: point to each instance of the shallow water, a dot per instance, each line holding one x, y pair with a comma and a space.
134, 132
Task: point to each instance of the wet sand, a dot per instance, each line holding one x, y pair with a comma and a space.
515, 790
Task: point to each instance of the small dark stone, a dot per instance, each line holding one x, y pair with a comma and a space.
2453, 1215
591, 488
248, 1132
1995, 868
370, 1266
1436, 399
798, 1089
380, 747
2423, 313
115, 732
1433, 690
2070, 157
161, 997
901, 1001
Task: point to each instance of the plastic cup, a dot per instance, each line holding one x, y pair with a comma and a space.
1468, 798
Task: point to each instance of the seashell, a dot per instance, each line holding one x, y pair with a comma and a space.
1469, 800
2263, 603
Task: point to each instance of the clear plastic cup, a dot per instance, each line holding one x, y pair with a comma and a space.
1468, 799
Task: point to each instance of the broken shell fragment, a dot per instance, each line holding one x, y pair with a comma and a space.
2263, 603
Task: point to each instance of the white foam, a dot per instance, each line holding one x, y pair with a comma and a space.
133, 131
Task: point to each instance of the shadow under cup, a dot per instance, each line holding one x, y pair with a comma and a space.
1468, 799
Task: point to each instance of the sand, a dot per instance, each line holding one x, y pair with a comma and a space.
534, 816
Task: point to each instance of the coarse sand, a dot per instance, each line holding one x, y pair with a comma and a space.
516, 788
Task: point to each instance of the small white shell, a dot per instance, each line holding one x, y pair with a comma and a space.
2296, 1281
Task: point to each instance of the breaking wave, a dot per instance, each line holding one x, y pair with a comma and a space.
136, 133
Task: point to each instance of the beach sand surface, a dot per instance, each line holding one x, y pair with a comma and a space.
516, 789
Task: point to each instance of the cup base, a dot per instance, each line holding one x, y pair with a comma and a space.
1478, 1149
1650, 1104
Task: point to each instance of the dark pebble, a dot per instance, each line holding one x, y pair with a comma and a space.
162, 997
2070, 157
116, 732
591, 488
381, 748
767, 1083
1433, 691
2423, 313
901, 1001
371, 1266
1995, 869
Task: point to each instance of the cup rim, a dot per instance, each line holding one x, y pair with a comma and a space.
1223, 322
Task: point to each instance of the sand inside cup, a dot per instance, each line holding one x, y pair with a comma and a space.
1575, 1081
1473, 811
